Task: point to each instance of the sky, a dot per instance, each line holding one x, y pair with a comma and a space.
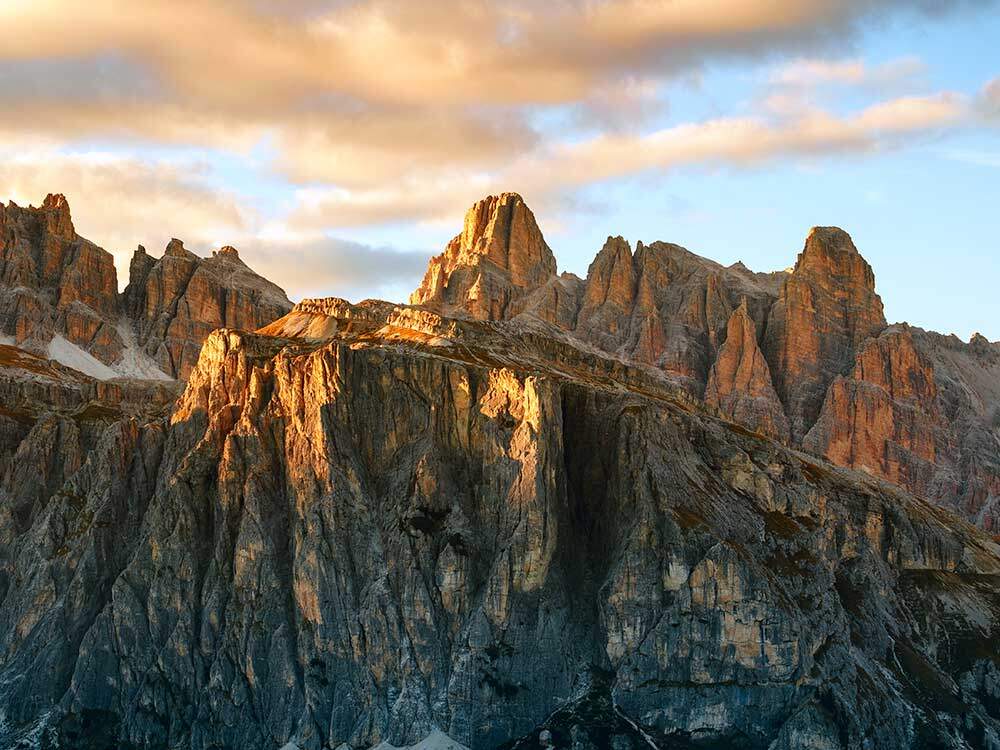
338, 144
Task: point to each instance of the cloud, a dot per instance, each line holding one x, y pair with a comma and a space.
370, 91
563, 167
988, 101
387, 111
809, 72
322, 266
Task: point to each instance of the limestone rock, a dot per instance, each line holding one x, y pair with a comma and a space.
884, 418
176, 301
609, 296
426, 524
739, 384
54, 282
826, 310
499, 257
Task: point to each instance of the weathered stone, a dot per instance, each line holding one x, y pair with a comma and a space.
419, 523
739, 384
826, 310
499, 258
54, 282
177, 301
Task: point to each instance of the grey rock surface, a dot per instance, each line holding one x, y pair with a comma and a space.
419, 523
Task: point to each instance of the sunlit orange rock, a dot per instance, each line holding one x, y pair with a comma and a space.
826, 309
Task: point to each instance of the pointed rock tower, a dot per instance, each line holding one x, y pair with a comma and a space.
739, 383
499, 259
825, 311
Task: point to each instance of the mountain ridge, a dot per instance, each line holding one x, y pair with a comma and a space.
379, 525
54, 283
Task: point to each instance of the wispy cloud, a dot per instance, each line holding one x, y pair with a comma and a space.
566, 166
808, 72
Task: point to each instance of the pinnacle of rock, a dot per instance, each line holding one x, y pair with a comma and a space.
826, 309
175, 248
499, 257
739, 383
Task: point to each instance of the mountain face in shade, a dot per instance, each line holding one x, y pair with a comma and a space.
57, 287
672, 505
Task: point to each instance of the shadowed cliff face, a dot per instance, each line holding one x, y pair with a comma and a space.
413, 523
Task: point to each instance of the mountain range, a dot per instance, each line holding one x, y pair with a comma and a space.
671, 504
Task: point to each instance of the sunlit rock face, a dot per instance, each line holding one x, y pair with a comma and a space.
499, 258
826, 310
739, 383
56, 286
178, 300
54, 282
417, 525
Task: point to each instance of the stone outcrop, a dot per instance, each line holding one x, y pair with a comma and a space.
739, 384
411, 525
178, 300
499, 258
56, 285
884, 418
54, 282
826, 310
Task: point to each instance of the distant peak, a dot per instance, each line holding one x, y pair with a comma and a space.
58, 215
56, 201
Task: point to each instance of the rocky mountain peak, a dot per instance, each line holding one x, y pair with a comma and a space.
830, 252
499, 258
175, 249
826, 309
739, 383
503, 229
57, 215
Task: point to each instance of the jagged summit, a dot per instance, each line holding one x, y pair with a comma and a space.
499, 256
59, 297
763, 349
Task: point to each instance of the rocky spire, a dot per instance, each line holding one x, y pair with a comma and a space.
499, 257
826, 309
58, 220
609, 296
739, 383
